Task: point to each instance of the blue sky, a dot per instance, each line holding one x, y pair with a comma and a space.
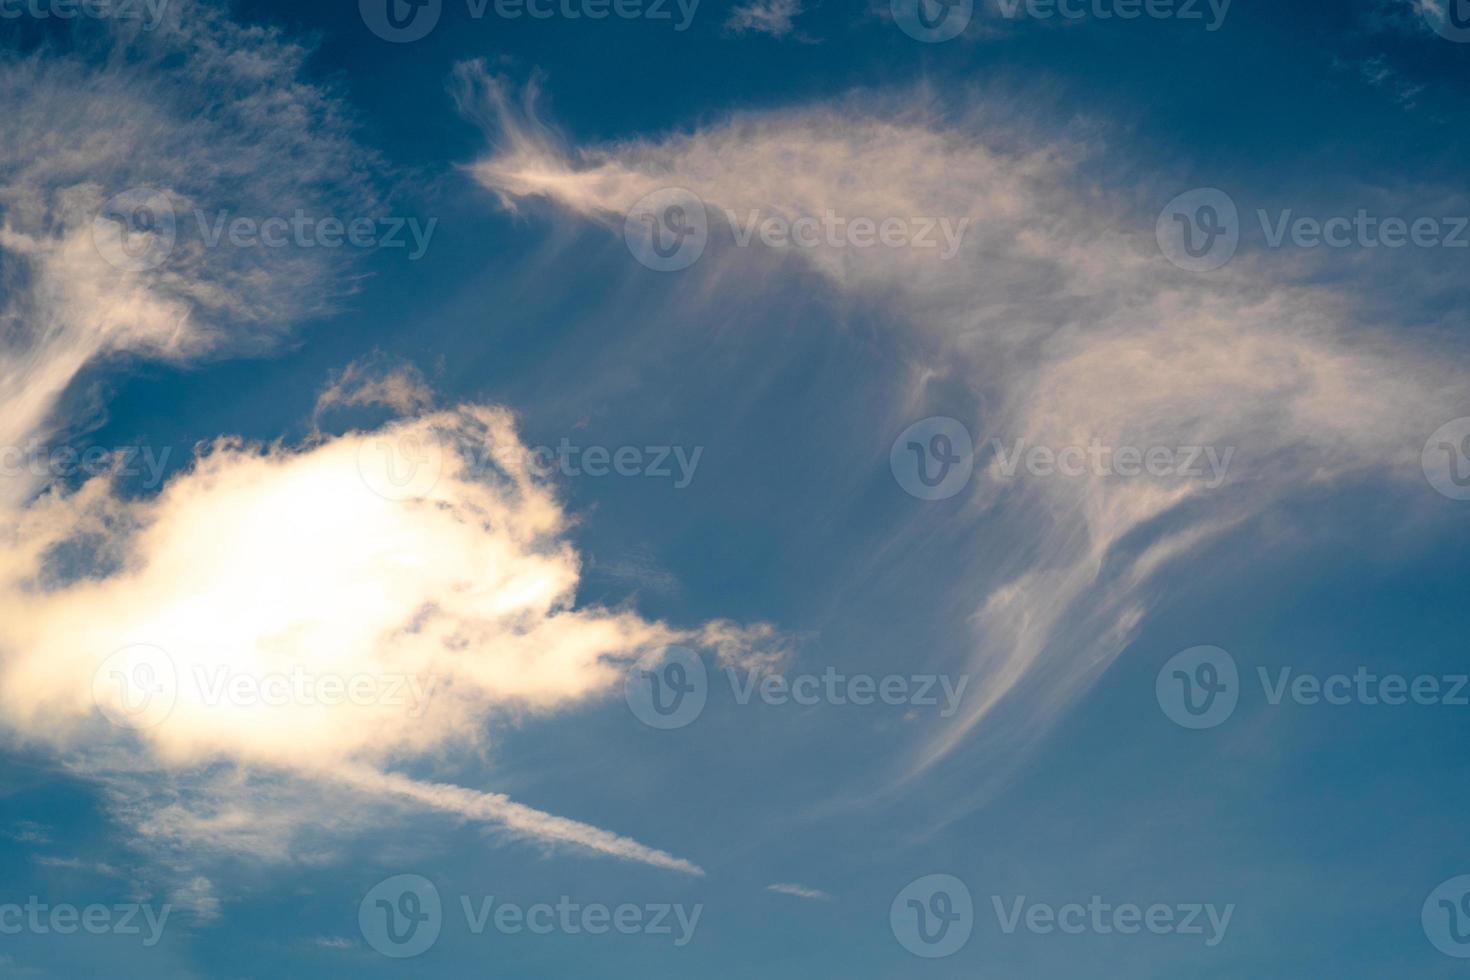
1123, 476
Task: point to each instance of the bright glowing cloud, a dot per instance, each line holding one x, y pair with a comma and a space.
280, 626
328, 611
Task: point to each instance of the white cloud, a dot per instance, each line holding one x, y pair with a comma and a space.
372, 381
1062, 319
335, 559
799, 891
423, 561
771, 17
196, 114
77, 864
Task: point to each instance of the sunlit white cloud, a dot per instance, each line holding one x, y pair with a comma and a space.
402, 588
417, 577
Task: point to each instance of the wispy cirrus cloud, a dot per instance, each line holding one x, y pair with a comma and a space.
1061, 318
107, 148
